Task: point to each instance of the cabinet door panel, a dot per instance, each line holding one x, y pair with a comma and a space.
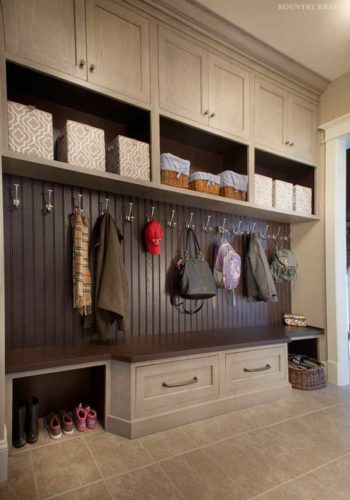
118, 49
271, 107
183, 77
228, 97
47, 32
302, 130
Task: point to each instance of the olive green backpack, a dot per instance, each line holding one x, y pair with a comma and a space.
284, 265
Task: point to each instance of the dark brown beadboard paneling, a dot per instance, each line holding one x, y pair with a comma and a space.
38, 268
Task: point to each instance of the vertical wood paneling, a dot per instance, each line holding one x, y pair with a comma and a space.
38, 267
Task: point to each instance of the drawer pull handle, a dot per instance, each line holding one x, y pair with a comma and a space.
180, 384
263, 368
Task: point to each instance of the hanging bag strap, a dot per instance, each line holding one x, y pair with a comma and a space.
197, 250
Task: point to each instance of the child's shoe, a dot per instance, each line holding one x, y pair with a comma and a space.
66, 422
52, 424
91, 418
80, 418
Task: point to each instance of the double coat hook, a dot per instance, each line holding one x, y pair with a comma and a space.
206, 227
170, 222
150, 217
15, 197
189, 224
49, 204
129, 217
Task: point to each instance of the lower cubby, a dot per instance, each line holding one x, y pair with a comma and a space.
58, 389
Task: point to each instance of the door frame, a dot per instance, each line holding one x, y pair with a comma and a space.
337, 141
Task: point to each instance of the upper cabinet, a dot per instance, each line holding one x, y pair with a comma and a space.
96, 40
202, 87
118, 49
47, 32
284, 122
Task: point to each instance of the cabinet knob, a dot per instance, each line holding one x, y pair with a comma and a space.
291, 144
82, 63
92, 68
286, 143
206, 112
212, 115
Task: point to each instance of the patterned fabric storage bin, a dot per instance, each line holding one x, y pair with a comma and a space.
302, 199
129, 157
282, 195
30, 130
82, 145
207, 183
174, 171
233, 185
263, 190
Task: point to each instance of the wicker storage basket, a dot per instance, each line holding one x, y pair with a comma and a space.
206, 183
174, 171
233, 185
309, 379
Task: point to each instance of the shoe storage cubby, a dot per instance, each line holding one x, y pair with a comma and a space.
66, 101
206, 152
64, 390
287, 170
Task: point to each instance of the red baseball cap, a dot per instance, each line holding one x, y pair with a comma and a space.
153, 234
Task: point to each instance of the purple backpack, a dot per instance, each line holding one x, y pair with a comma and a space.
227, 267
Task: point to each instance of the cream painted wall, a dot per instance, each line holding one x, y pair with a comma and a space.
335, 101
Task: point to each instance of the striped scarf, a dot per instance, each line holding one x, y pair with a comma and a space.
82, 298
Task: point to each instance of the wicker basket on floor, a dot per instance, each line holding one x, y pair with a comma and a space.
307, 380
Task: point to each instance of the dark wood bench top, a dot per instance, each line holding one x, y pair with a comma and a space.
147, 348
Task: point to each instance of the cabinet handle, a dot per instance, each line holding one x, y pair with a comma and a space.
206, 112
92, 68
286, 143
212, 115
262, 369
291, 144
180, 384
82, 63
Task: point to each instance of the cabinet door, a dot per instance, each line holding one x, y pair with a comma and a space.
118, 49
228, 97
302, 129
47, 32
271, 108
183, 77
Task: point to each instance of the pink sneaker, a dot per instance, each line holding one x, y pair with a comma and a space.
91, 419
80, 416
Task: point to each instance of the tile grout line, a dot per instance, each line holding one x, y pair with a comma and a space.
76, 488
34, 476
285, 483
97, 467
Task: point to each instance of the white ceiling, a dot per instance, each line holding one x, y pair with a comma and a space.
314, 33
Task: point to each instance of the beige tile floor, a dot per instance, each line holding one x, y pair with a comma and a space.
296, 448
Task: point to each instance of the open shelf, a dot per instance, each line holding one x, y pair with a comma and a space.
206, 152
56, 171
285, 169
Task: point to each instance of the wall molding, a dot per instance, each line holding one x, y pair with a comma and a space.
198, 16
3, 457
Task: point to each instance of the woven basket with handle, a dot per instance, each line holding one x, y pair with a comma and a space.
307, 379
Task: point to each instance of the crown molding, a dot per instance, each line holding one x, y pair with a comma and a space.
198, 16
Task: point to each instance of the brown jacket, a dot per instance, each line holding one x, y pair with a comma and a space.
111, 289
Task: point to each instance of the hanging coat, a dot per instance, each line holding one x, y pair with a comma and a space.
259, 281
111, 289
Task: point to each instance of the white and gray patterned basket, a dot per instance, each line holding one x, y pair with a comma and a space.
29, 130
128, 157
82, 145
263, 190
282, 195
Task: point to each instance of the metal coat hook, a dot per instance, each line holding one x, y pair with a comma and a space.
222, 229
189, 224
15, 198
275, 236
206, 226
79, 207
105, 210
252, 229
264, 235
237, 231
129, 217
49, 204
150, 217
170, 222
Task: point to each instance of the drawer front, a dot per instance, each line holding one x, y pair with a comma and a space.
255, 369
167, 386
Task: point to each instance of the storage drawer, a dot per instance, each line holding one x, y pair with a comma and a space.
255, 369
174, 384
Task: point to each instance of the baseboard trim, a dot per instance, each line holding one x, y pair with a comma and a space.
141, 427
4, 457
